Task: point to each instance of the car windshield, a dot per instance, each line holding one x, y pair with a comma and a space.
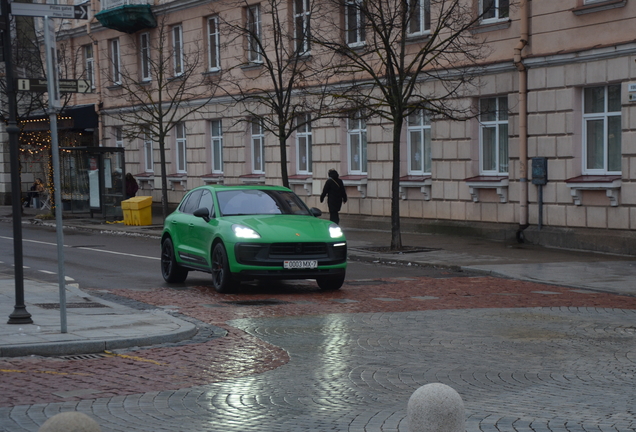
258, 202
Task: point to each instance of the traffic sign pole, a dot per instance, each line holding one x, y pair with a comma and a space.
54, 106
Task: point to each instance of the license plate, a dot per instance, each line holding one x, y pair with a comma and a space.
300, 264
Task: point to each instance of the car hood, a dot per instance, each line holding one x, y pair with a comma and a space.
290, 228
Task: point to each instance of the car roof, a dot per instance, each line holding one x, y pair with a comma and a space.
219, 188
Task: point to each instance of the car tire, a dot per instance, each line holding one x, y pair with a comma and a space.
221, 276
330, 283
171, 271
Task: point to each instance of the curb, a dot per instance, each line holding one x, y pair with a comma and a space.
360, 255
95, 346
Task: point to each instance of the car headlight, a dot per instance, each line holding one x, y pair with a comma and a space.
244, 232
335, 231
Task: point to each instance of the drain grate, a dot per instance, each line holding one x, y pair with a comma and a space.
368, 282
70, 305
270, 302
84, 356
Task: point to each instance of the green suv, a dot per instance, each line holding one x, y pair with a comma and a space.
240, 233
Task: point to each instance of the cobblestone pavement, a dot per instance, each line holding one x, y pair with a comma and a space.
523, 356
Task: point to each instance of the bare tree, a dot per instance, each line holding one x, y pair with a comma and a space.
286, 89
391, 49
173, 90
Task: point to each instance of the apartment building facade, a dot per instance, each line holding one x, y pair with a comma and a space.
556, 90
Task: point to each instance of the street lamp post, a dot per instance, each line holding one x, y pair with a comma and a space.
20, 314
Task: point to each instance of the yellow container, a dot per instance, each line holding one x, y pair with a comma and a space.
139, 209
125, 208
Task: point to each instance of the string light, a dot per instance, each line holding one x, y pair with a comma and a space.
35, 146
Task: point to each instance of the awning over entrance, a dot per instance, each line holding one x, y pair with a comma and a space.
80, 118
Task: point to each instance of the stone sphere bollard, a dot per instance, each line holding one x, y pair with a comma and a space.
70, 421
435, 408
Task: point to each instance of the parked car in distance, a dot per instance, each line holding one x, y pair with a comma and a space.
240, 233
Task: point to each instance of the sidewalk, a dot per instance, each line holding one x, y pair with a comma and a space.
98, 325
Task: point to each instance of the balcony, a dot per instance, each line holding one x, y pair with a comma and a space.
127, 16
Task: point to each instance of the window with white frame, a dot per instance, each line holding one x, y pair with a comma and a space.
354, 23
357, 144
493, 124
214, 63
602, 129
302, 15
149, 161
177, 49
89, 64
303, 144
115, 61
258, 147
253, 16
494, 10
419, 17
119, 136
144, 56
419, 143
180, 133
216, 136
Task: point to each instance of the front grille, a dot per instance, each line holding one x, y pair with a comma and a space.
297, 249
275, 253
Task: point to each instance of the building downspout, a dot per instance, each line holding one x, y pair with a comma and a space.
523, 118
97, 77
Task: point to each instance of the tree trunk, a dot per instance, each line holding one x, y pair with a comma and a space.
283, 159
164, 178
396, 236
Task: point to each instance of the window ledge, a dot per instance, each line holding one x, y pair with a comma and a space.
359, 181
424, 182
488, 182
357, 46
177, 179
418, 37
599, 7
215, 178
252, 65
146, 180
306, 180
252, 178
491, 26
611, 184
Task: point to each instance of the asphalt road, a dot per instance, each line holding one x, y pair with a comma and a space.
98, 260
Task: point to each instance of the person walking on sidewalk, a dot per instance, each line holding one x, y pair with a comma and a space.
131, 186
335, 192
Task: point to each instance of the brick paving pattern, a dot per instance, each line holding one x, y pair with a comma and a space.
524, 356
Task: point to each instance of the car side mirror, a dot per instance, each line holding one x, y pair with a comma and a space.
203, 212
315, 211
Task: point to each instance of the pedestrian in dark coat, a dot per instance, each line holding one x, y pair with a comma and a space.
335, 192
131, 186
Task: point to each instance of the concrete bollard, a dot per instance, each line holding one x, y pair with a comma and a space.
70, 421
435, 408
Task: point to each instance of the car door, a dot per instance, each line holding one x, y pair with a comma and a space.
201, 233
181, 227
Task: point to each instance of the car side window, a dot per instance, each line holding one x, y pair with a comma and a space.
192, 202
207, 202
